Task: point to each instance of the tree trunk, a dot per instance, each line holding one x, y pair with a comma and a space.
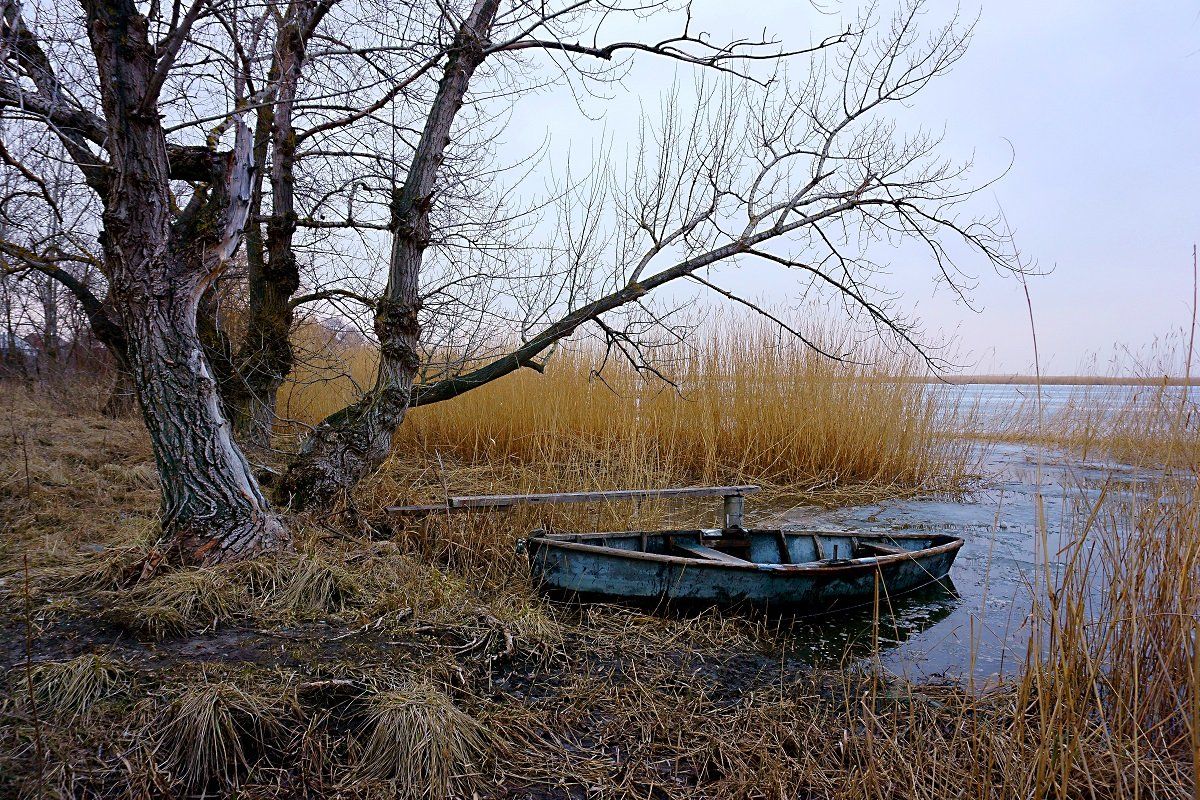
266, 356
218, 350
159, 266
212, 508
354, 442
48, 356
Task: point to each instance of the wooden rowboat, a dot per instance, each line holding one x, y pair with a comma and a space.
730, 565
813, 570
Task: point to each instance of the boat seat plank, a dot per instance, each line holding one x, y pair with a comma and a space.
875, 548
707, 553
785, 555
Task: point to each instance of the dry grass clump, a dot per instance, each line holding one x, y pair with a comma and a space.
191, 599
213, 730
93, 569
69, 689
1117, 625
316, 585
1151, 424
249, 732
354, 580
422, 745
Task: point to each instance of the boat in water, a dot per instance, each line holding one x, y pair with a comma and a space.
771, 568
732, 565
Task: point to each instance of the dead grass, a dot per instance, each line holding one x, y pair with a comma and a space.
425, 666
214, 730
69, 689
750, 406
1117, 621
1152, 421
422, 745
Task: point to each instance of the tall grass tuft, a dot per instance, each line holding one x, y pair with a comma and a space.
214, 730
1114, 659
1153, 422
422, 744
71, 688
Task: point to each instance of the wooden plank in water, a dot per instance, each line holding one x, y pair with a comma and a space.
500, 502
707, 553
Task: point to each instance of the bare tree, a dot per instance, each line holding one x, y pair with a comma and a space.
321, 131
162, 243
801, 175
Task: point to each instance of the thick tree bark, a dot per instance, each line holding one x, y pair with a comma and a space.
215, 343
354, 442
212, 507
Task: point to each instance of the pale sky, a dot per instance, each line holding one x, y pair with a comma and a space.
1097, 105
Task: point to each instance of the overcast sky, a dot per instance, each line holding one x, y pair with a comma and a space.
1097, 105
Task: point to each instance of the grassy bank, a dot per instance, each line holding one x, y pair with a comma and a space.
388, 662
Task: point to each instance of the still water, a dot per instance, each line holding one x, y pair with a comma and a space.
980, 627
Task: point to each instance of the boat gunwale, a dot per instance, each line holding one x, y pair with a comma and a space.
848, 565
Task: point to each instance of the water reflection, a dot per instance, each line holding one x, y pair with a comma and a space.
869, 631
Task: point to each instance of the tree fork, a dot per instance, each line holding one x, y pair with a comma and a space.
354, 442
212, 507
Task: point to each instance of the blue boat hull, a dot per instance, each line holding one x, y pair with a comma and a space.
779, 569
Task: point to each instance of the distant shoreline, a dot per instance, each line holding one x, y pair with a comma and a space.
1064, 380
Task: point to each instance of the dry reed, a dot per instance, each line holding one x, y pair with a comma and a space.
748, 406
1151, 420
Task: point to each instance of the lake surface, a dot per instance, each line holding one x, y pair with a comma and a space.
982, 626
998, 402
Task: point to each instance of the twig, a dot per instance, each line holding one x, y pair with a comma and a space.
33, 708
23, 439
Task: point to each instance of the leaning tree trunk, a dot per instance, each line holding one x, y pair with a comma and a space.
354, 442
212, 507
159, 267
